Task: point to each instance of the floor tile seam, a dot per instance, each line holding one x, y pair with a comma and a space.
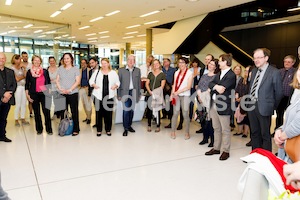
33, 166
21, 187
120, 170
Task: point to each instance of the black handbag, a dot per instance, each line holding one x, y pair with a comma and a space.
200, 115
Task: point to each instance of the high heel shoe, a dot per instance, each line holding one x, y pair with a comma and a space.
99, 134
108, 133
187, 136
173, 136
75, 134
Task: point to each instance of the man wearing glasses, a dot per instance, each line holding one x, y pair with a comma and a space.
265, 93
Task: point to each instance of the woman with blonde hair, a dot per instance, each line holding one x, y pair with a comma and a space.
156, 79
105, 81
36, 80
20, 95
67, 81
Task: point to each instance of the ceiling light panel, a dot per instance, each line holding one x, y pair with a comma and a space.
129, 33
65, 7
102, 32
84, 27
112, 13
96, 19
55, 14
133, 26
28, 25
150, 13
152, 22
8, 2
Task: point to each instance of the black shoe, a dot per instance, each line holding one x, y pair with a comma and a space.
211, 144
249, 144
108, 133
95, 126
169, 126
203, 142
88, 121
5, 139
39, 132
98, 134
212, 152
125, 133
164, 117
179, 127
131, 130
84, 120
237, 134
200, 131
50, 133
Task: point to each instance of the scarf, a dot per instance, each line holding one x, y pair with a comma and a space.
36, 71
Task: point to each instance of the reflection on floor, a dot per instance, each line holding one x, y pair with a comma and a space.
142, 166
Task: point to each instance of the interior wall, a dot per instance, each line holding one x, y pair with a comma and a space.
281, 39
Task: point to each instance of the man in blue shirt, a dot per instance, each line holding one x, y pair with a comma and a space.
169, 72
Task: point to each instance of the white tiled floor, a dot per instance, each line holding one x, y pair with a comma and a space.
141, 166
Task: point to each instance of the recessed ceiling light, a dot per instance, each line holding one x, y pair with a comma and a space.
93, 41
153, 22
41, 36
150, 13
143, 35
38, 31
12, 31
102, 32
128, 37
90, 34
72, 37
94, 38
66, 35
55, 14
28, 25
4, 33
105, 36
96, 19
133, 26
112, 13
8, 2
84, 27
192, 0
65, 7
11, 22
129, 33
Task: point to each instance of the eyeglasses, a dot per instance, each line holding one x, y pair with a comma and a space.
257, 58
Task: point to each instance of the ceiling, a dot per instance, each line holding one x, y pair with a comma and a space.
66, 25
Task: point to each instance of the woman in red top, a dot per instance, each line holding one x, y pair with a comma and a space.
37, 79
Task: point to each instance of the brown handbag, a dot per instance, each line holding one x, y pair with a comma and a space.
292, 148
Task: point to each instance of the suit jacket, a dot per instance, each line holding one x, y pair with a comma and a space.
228, 81
31, 81
124, 76
270, 90
10, 85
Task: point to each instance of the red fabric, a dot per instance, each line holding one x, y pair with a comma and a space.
277, 163
40, 83
177, 79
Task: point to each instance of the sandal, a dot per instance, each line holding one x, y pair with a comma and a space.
187, 136
244, 136
236, 134
173, 136
149, 129
157, 129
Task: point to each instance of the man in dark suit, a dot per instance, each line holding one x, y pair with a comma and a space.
266, 93
221, 88
8, 87
129, 91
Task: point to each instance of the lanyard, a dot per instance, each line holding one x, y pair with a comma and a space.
177, 79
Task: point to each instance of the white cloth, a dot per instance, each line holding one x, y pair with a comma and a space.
158, 102
113, 79
184, 83
20, 107
262, 165
145, 70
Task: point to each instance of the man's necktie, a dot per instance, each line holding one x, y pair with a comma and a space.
255, 83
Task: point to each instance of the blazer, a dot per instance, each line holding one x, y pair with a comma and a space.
31, 81
270, 91
228, 81
124, 76
10, 85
